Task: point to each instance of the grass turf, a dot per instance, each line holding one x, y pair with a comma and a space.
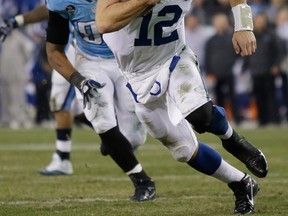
99, 187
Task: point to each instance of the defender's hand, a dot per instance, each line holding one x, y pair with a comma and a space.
7, 28
89, 91
244, 42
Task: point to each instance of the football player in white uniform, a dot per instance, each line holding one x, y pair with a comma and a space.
148, 42
108, 104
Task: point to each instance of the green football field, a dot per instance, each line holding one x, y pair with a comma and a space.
99, 187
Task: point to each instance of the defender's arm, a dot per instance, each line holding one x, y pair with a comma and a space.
36, 15
57, 38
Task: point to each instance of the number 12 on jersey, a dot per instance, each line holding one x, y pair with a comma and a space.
159, 39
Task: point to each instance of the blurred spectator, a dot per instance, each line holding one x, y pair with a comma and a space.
42, 79
219, 60
258, 6
16, 51
197, 35
273, 8
265, 67
282, 32
213, 7
281, 80
198, 11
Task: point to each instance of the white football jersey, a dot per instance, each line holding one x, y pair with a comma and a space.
149, 41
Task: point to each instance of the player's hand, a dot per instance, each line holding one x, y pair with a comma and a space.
88, 88
90, 93
244, 43
7, 28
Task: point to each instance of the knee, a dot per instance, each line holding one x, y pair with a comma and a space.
182, 153
181, 150
201, 117
209, 118
219, 124
137, 136
136, 139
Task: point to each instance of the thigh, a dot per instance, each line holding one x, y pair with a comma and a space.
128, 122
186, 86
102, 114
155, 117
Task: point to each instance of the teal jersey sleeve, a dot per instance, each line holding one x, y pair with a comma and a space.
81, 14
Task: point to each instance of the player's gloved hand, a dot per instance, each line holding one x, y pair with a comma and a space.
90, 94
7, 28
88, 89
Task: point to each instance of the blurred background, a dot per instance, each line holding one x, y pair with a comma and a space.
253, 90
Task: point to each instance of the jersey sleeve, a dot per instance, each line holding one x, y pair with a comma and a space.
57, 6
58, 29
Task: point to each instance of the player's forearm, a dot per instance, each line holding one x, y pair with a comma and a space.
116, 15
59, 61
36, 15
242, 15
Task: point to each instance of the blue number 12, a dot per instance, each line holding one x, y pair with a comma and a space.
143, 39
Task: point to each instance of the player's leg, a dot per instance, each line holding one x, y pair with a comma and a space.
184, 146
102, 117
64, 106
128, 122
212, 118
197, 108
61, 99
133, 130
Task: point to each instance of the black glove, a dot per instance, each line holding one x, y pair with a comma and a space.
7, 28
88, 89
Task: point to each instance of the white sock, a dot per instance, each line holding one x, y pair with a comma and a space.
228, 133
228, 173
136, 169
63, 146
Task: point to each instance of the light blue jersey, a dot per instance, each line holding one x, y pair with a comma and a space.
81, 14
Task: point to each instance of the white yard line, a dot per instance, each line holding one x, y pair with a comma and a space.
91, 200
79, 146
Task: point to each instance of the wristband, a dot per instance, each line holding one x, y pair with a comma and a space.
77, 79
19, 20
242, 17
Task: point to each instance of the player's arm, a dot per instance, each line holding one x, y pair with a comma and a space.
36, 15
243, 40
56, 40
112, 15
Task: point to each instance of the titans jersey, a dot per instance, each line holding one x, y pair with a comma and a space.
81, 15
149, 41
